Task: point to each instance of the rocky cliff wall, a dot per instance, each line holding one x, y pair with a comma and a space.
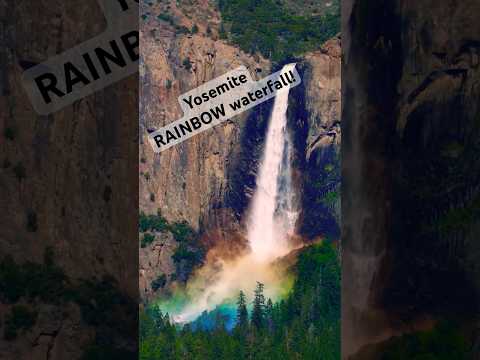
66, 185
209, 179
410, 131
321, 177
187, 181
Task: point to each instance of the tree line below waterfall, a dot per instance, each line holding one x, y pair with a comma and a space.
304, 325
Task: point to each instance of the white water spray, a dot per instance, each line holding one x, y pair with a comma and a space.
272, 218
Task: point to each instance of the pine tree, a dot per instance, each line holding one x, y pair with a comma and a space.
242, 313
157, 316
219, 321
269, 315
305, 325
222, 33
258, 312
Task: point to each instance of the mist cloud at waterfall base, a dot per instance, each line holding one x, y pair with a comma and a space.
219, 283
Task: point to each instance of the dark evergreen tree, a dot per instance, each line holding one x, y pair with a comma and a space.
242, 313
222, 33
258, 312
304, 325
269, 315
220, 321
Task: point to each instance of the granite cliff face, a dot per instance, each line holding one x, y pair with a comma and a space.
189, 182
410, 194
321, 177
194, 172
208, 179
66, 185
77, 154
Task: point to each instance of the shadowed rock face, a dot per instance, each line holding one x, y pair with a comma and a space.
65, 177
65, 180
410, 173
321, 154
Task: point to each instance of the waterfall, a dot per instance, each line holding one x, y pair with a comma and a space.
271, 220
272, 215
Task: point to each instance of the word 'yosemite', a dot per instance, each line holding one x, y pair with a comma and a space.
220, 99
213, 93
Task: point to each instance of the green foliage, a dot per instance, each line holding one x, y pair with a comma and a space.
453, 150
99, 301
270, 28
306, 325
147, 239
152, 223
9, 133
444, 342
19, 171
329, 167
159, 282
323, 189
21, 318
331, 198
222, 33
48, 283
188, 254
319, 276
187, 64
44, 281
182, 232
183, 253
166, 17
258, 312
459, 218
182, 29
242, 313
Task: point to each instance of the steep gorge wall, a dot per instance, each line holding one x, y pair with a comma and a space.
321, 177
78, 154
410, 194
189, 179
195, 181
66, 185
208, 179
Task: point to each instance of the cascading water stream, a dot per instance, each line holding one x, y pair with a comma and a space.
272, 218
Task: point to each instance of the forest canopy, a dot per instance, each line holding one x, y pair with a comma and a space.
304, 325
272, 29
